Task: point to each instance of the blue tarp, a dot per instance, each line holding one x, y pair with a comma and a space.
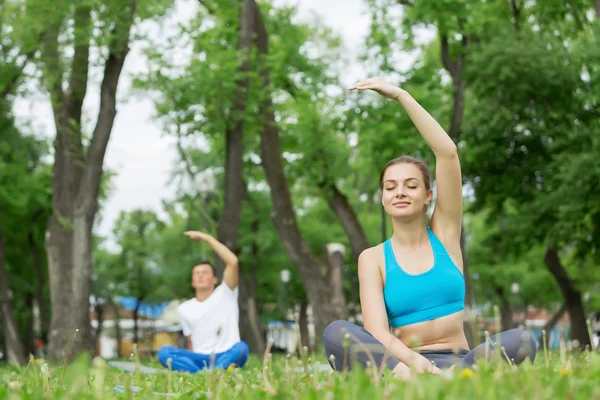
147, 309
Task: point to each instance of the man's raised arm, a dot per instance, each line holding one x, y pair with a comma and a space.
231, 273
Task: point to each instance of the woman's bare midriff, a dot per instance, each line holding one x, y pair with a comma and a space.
444, 333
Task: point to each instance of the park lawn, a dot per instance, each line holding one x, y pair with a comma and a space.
557, 376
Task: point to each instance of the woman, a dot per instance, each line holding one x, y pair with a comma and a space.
414, 281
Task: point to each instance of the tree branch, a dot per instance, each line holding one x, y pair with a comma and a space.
208, 7
516, 11
576, 15
552, 261
455, 69
54, 71
71, 110
12, 83
77, 88
230, 221
447, 61
119, 48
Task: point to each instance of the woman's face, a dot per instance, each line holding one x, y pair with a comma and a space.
404, 193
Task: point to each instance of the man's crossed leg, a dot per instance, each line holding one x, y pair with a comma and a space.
188, 361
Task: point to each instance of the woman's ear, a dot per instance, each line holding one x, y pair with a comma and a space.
429, 197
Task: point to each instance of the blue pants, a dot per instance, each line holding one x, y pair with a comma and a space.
518, 345
188, 361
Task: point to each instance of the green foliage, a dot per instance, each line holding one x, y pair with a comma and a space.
136, 270
495, 265
25, 207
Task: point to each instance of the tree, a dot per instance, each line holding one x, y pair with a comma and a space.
78, 28
284, 218
535, 127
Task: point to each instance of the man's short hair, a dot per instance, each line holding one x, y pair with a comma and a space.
206, 262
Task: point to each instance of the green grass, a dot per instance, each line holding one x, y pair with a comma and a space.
572, 376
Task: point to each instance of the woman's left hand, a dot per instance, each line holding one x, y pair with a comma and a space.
380, 86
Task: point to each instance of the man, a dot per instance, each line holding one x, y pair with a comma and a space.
210, 320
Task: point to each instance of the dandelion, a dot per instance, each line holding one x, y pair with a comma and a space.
565, 371
466, 373
346, 340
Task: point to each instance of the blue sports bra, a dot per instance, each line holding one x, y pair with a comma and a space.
410, 299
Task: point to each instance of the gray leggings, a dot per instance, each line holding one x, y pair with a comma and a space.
363, 347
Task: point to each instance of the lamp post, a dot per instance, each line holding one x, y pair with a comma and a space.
514, 288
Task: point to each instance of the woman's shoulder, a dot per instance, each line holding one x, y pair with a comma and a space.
371, 255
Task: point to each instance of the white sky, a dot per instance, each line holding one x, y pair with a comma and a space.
138, 151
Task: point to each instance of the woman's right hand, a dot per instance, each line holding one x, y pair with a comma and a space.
421, 364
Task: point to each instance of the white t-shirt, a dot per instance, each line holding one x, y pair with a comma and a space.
212, 323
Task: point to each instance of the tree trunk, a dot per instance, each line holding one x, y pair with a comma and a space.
135, 321
506, 313
468, 324
234, 186
29, 343
118, 333
572, 296
284, 219
15, 351
230, 220
251, 329
335, 259
342, 208
303, 322
99, 317
69, 287
76, 181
